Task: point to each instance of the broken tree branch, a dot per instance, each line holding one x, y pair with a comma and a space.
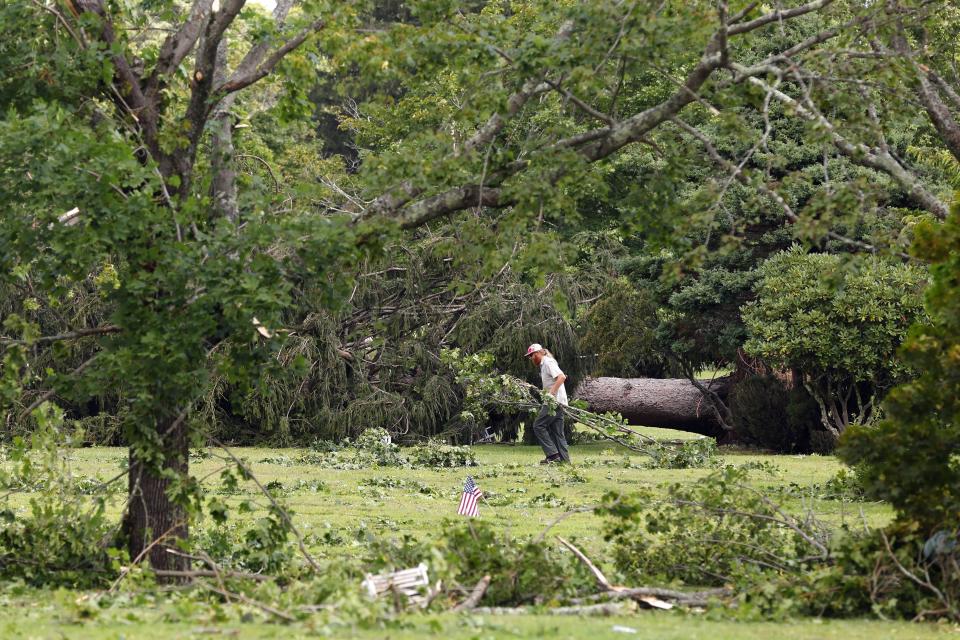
601, 579
475, 596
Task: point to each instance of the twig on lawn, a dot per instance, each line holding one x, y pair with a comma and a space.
561, 518
283, 615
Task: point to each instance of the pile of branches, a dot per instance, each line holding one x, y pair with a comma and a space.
376, 361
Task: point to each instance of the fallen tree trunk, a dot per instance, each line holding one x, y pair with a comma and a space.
674, 403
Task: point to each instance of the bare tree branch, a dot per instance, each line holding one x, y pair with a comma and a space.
243, 79
859, 153
740, 175
179, 43
777, 16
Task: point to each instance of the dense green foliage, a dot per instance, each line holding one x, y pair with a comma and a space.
839, 324
715, 531
910, 459
64, 537
375, 361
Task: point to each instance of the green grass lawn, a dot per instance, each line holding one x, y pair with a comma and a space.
644, 625
520, 494
333, 508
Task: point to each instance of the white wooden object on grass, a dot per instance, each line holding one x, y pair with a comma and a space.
408, 582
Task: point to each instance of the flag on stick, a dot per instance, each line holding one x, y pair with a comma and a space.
468, 501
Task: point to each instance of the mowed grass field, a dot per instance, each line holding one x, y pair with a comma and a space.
336, 509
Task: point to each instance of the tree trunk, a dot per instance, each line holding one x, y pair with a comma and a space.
154, 522
223, 184
672, 403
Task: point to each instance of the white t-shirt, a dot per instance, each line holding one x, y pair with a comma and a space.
549, 371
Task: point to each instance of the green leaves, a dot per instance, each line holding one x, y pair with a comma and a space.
839, 322
59, 538
909, 458
717, 530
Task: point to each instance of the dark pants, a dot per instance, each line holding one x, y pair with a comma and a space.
548, 428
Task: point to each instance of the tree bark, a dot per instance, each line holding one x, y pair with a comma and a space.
223, 184
673, 403
154, 522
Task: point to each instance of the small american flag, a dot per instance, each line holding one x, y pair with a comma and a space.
468, 501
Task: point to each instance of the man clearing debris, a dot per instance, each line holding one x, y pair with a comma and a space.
548, 427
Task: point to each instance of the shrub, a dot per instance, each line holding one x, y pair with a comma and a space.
891, 574
375, 447
768, 414
803, 415
844, 485
822, 442
759, 408
839, 321
522, 571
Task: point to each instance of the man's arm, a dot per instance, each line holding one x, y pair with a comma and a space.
557, 384
559, 376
